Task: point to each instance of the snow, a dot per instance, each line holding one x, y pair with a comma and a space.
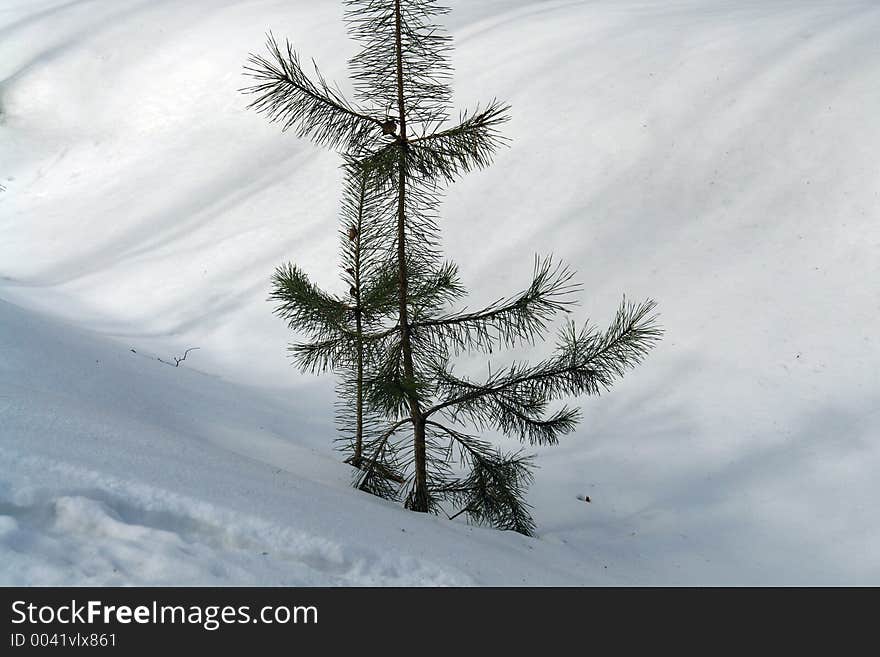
717, 156
119, 469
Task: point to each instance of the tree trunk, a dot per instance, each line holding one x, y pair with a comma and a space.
358, 311
359, 410
419, 498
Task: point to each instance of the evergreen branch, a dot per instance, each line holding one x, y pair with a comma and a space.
586, 362
379, 294
390, 175
364, 255
380, 166
389, 389
435, 289
304, 306
401, 37
322, 355
465, 441
469, 145
339, 350
521, 317
346, 417
528, 422
373, 465
287, 95
494, 490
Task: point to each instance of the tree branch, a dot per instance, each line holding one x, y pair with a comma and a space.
286, 94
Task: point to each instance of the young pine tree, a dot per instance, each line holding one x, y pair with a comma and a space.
396, 134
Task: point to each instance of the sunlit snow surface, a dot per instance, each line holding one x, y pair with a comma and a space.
718, 156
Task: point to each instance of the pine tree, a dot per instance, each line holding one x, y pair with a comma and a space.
395, 133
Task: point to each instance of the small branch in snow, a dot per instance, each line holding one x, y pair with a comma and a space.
455, 515
178, 359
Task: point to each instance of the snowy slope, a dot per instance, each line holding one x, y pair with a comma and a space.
119, 469
718, 156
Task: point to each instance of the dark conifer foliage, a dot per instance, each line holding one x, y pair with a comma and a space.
343, 320
404, 414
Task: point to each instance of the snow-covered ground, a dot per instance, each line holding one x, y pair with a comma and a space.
717, 155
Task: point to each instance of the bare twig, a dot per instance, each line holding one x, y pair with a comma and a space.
454, 516
178, 359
